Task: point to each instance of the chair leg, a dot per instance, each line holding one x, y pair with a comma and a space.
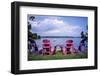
68, 51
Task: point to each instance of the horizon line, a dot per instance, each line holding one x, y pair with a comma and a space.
60, 36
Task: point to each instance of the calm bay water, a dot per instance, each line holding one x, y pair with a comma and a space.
58, 41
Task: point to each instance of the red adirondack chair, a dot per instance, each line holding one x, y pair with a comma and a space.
69, 45
46, 47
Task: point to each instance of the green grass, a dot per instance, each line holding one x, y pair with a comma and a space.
57, 56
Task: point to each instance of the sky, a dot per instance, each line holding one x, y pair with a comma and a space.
58, 25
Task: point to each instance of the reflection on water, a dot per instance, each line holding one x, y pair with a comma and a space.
58, 41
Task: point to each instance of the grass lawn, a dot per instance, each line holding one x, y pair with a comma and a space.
58, 55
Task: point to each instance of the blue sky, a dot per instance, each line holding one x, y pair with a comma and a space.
58, 25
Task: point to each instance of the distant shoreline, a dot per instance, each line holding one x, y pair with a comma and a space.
58, 37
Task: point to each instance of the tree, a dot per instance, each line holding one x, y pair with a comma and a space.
29, 26
32, 18
87, 27
34, 36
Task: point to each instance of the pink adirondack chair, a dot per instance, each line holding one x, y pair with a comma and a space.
69, 45
46, 47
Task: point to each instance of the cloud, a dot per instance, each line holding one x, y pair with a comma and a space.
55, 26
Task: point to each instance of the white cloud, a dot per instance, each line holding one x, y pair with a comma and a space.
53, 31
55, 26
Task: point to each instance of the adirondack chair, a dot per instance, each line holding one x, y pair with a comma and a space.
46, 47
69, 46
